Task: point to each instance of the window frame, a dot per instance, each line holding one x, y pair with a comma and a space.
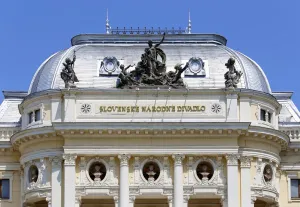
290, 177
7, 176
32, 110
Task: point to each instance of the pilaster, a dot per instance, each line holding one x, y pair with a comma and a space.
69, 181
232, 184
246, 181
56, 181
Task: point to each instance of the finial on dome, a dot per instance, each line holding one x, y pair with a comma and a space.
108, 28
189, 27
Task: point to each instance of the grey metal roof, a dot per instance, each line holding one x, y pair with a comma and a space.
90, 51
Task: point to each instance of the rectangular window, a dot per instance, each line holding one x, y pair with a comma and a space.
265, 116
295, 188
4, 188
30, 117
37, 115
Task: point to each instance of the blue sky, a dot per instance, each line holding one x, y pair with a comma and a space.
268, 31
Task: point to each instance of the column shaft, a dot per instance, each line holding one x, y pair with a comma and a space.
232, 180
178, 181
69, 181
56, 181
124, 181
246, 182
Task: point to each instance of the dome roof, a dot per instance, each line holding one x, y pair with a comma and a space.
92, 49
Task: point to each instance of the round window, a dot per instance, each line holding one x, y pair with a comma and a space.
196, 65
151, 171
97, 171
33, 174
205, 170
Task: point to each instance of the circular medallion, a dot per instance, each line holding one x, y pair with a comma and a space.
110, 64
216, 108
205, 170
195, 65
86, 108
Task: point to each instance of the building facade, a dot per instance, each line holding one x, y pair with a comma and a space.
77, 139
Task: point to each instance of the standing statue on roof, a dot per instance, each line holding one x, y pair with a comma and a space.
152, 53
232, 77
67, 74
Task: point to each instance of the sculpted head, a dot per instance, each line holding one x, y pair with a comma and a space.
150, 43
68, 60
97, 168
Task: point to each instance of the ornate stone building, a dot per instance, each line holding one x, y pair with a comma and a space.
77, 139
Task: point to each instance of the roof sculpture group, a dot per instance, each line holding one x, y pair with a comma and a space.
151, 71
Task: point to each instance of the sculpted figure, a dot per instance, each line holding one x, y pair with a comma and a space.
152, 52
126, 78
68, 75
204, 172
232, 77
151, 70
179, 71
268, 174
34, 175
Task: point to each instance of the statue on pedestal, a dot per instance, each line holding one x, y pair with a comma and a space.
68, 75
204, 172
232, 77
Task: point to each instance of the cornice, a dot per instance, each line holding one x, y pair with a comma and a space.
159, 129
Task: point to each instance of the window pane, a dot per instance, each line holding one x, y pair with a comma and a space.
30, 115
37, 115
270, 117
294, 188
5, 189
262, 115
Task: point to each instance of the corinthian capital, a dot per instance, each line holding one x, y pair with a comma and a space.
232, 159
69, 159
178, 159
124, 159
56, 161
245, 161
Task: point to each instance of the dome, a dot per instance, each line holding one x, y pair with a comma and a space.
92, 49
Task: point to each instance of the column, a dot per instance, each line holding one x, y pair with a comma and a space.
77, 201
116, 199
131, 201
253, 199
186, 199
232, 184
69, 181
178, 180
21, 186
246, 181
56, 181
49, 200
170, 201
124, 180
